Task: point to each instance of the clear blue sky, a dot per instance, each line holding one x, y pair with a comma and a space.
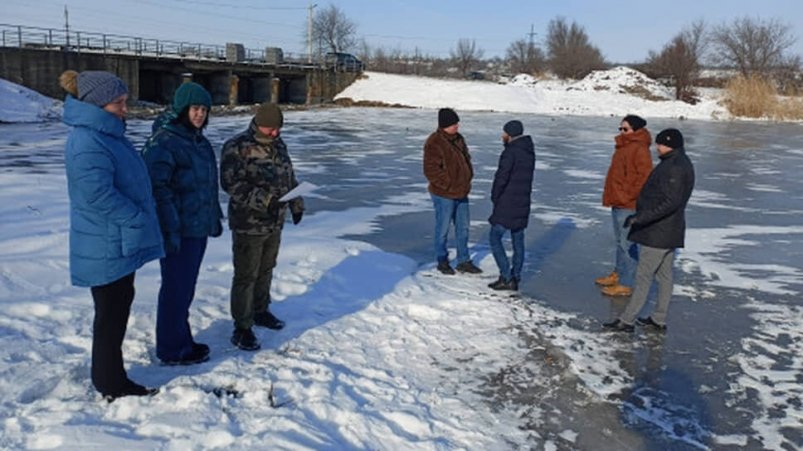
624, 31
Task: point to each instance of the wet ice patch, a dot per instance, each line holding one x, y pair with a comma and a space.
710, 250
587, 175
763, 188
657, 412
772, 365
554, 217
708, 199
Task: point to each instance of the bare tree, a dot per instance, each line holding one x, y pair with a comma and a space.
680, 60
524, 57
571, 54
332, 30
363, 51
753, 46
466, 55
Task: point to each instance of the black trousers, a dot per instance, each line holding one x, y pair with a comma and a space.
112, 307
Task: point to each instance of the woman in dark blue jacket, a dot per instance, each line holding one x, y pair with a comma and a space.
183, 171
510, 194
113, 225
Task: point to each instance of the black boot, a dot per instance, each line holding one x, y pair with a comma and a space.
468, 267
266, 319
496, 284
505, 285
444, 268
648, 321
130, 389
245, 340
198, 354
618, 325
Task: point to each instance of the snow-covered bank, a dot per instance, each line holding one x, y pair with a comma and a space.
20, 104
615, 92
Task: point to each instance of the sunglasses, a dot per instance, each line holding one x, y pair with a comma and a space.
624, 129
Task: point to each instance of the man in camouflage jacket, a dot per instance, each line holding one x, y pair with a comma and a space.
256, 171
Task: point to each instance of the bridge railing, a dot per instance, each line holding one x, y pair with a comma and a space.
82, 41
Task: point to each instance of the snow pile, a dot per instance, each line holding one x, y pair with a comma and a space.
623, 80
617, 92
523, 80
20, 104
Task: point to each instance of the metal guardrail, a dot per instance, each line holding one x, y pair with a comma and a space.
90, 42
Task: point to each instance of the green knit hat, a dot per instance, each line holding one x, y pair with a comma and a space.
269, 115
190, 94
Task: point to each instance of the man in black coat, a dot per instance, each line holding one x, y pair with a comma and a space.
659, 226
512, 187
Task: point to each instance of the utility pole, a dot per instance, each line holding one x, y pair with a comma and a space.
531, 34
309, 32
67, 24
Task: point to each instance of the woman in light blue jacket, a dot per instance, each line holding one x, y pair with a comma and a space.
114, 229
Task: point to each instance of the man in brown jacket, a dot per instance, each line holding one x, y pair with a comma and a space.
447, 166
630, 166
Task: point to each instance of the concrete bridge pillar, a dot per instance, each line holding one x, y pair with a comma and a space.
275, 90
234, 89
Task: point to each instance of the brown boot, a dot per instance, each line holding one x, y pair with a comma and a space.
610, 279
617, 290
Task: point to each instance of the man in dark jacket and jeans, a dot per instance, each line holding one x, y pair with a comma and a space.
447, 167
256, 171
510, 194
659, 226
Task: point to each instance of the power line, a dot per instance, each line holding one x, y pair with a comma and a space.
240, 6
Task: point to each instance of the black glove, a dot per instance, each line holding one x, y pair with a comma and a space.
629, 221
297, 217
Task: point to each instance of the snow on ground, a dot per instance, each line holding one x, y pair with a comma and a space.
377, 354
614, 94
20, 104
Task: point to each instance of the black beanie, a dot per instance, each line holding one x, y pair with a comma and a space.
671, 137
635, 122
447, 117
513, 128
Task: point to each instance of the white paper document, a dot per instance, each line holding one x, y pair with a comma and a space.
300, 190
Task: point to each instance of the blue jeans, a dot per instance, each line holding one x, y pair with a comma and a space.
500, 256
626, 250
179, 276
448, 211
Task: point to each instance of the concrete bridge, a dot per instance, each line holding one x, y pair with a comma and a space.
153, 69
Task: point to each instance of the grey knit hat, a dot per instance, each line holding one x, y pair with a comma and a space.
99, 88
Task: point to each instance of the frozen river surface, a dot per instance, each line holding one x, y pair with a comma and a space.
728, 373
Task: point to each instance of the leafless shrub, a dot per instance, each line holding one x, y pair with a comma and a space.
570, 52
753, 46
466, 55
679, 61
524, 57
